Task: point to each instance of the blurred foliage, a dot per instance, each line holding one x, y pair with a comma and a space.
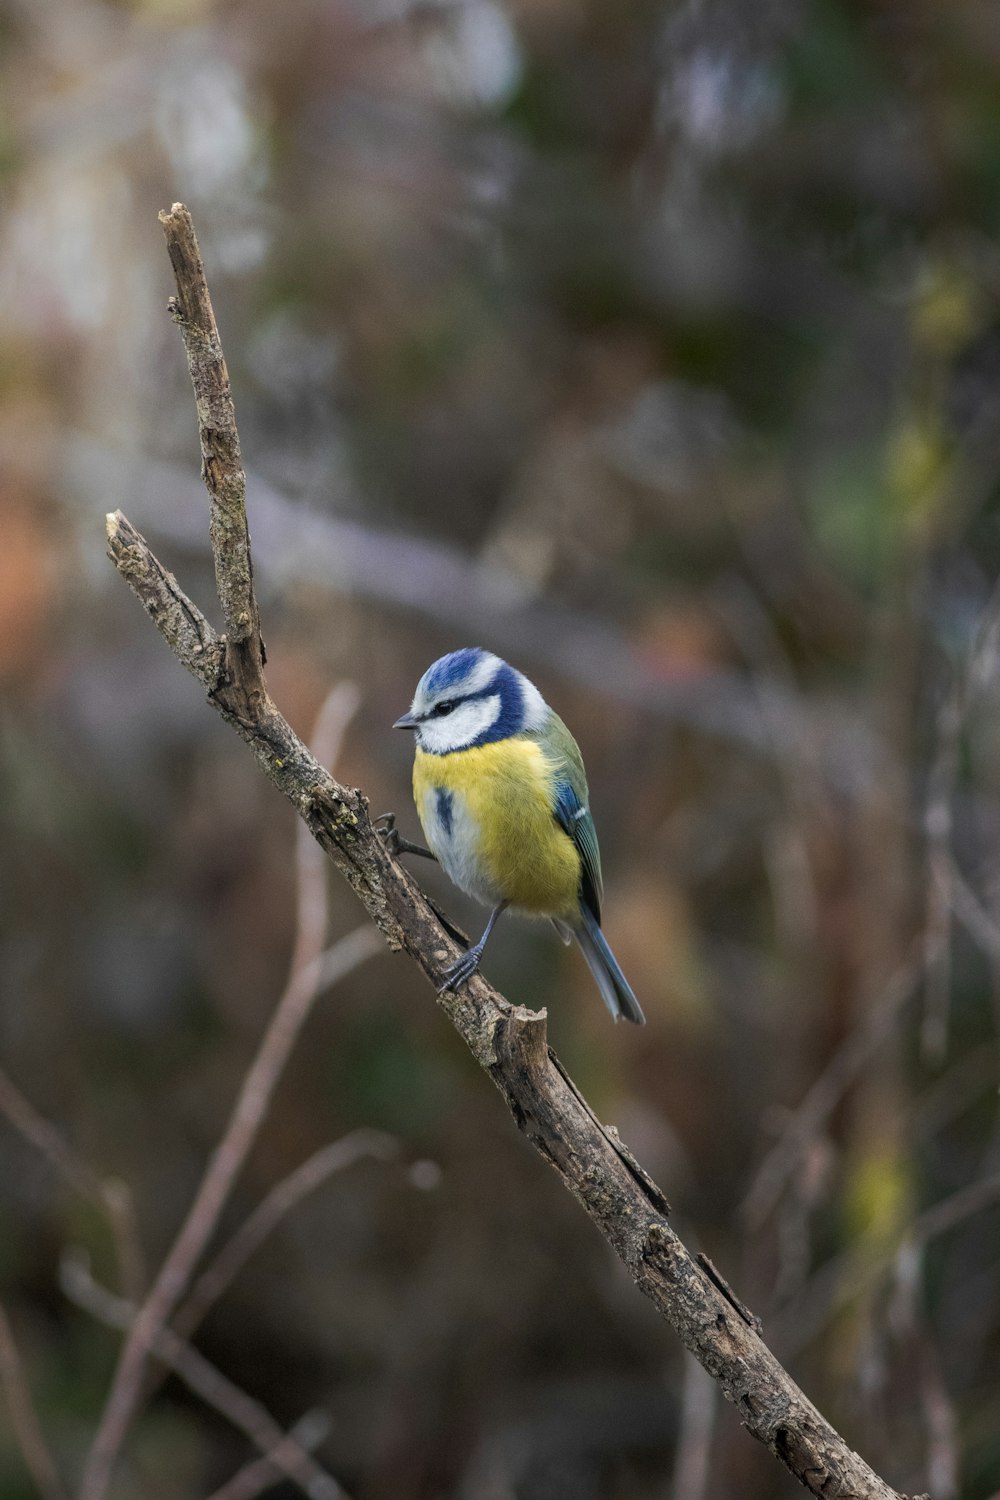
657, 347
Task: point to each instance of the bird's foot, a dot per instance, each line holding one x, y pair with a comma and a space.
385, 827
459, 972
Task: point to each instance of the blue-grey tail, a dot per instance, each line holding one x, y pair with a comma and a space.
614, 987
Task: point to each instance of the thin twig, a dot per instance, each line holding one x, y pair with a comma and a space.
907, 1322
972, 914
842, 1278
318, 970
312, 907
221, 463
969, 679
224, 1166
940, 869
227, 1160
511, 1044
110, 1195
24, 1421
808, 1118
214, 1388
248, 1482
277, 1205
45, 1137
694, 1439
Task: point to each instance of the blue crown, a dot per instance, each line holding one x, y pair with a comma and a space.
453, 669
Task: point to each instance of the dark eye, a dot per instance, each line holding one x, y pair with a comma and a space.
443, 708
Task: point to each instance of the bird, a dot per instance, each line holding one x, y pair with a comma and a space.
501, 794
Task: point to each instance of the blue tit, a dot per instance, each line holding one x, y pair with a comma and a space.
501, 794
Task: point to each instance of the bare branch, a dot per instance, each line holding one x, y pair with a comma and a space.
110, 1195
808, 1118
214, 1388
308, 1432
978, 666
226, 1162
972, 914
221, 464
694, 1440
311, 971
24, 1419
908, 1325
510, 1044
277, 1205
842, 1278
182, 625
312, 905
44, 1136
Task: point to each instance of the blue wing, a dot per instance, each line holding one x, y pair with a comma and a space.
573, 816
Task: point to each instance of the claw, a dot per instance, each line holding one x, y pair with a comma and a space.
385, 827
459, 972
394, 841
469, 962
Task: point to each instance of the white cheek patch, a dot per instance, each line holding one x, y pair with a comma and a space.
457, 730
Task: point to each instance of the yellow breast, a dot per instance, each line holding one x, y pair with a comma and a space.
503, 837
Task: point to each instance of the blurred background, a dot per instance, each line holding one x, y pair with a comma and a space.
657, 348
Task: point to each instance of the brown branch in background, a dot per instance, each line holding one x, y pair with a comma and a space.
843, 1277
260, 1474
226, 1162
442, 583
44, 1136
694, 1438
909, 1327
310, 966
110, 1195
977, 668
201, 1377
973, 916
940, 870
509, 1043
24, 1419
807, 1120
283, 1198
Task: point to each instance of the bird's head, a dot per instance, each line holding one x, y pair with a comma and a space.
471, 697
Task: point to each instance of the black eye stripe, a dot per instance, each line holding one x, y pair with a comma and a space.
448, 704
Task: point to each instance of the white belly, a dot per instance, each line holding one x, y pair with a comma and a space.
453, 836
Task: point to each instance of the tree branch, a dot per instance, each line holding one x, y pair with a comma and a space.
24, 1421
508, 1041
221, 463
261, 1473
275, 1206
217, 1391
110, 1194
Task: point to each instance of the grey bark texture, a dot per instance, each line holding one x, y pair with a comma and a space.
507, 1041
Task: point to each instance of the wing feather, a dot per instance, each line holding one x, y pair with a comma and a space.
573, 816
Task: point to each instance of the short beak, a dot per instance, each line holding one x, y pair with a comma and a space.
406, 722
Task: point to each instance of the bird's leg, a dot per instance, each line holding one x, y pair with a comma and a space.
394, 841
469, 962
